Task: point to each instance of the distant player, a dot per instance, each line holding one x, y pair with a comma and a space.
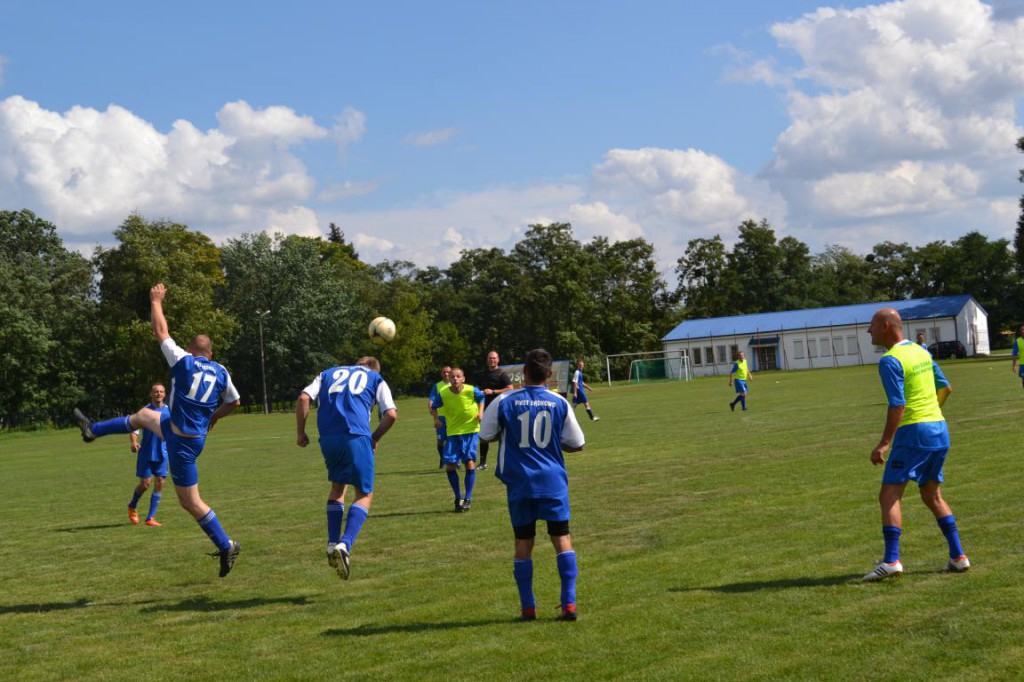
446, 380
462, 407
739, 375
579, 391
915, 428
921, 341
201, 394
150, 462
1018, 351
534, 426
347, 396
492, 383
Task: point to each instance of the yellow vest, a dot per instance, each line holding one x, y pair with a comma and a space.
741, 372
918, 384
459, 410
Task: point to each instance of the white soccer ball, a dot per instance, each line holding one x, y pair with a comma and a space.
382, 330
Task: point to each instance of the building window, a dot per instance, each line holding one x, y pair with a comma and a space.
709, 355
720, 356
696, 356
734, 352
826, 351
798, 349
851, 346
839, 346
812, 348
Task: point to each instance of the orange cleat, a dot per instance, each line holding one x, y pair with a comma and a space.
153, 522
568, 613
133, 515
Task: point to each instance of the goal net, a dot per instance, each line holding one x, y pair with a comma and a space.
652, 369
649, 366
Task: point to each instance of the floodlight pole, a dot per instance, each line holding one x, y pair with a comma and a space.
263, 365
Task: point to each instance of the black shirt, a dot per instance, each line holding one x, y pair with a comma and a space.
492, 380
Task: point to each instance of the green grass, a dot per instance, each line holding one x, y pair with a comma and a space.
712, 546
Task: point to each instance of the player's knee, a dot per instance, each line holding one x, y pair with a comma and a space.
557, 529
527, 531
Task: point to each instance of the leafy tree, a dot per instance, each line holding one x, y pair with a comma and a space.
892, 267
47, 323
705, 280
841, 277
756, 263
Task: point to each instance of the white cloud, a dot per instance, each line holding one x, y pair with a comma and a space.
349, 127
347, 189
431, 138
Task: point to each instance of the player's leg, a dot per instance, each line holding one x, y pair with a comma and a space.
524, 527
467, 455
889, 497
142, 471
484, 448
567, 567
931, 495
154, 499
451, 458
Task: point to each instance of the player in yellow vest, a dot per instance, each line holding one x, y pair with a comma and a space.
916, 430
462, 407
738, 378
1018, 352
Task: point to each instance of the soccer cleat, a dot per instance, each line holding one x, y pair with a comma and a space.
337, 557
465, 504
568, 612
133, 515
227, 557
84, 423
153, 522
883, 571
959, 565
596, 419
528, 614
458, 505
481, 467
732, 407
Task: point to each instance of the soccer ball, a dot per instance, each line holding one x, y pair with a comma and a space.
382, 330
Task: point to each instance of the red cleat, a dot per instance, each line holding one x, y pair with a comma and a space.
133, 515
153, 522
568, 612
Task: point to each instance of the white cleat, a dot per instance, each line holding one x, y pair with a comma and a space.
883, 571
337, 557
959, 565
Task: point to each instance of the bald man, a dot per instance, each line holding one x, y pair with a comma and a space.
916, 432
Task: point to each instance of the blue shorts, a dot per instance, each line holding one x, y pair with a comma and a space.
906, 464
182, 454
441, 435
146, 468
740, 385
349, 459
580, 398
528, 510
460, 448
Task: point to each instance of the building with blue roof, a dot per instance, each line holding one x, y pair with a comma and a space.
821, 337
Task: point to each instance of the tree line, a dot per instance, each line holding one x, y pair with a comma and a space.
74, 331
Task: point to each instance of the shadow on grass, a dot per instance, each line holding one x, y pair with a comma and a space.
411, 513
756, 585
43, 608
76, 529
207, 604
371, 630
418, 472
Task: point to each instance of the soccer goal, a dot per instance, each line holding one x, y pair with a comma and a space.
649, 366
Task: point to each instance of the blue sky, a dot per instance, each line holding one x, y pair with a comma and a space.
422, 129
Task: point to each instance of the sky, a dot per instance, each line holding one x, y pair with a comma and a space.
423, 129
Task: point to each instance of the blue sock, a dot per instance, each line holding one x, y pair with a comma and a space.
115, 425
335, 513
947, 525
135, 499
356, 518
453, 478
154, 502
470, 482
743, 401
568, 571
211, 526
522, 571
892, 543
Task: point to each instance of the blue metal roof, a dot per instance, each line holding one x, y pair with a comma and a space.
763, 323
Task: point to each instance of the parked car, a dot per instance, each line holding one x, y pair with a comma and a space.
947, 349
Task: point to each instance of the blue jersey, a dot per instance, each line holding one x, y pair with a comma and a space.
929, 435
153, 449
532, 425
346, 396
198, 385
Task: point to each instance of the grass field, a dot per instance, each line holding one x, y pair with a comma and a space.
712, 546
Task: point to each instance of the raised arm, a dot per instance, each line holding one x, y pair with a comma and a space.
156, 308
